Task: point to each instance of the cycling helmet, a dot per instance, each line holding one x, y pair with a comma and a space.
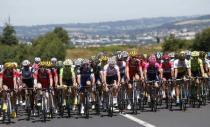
103, 58
59, 64
15, 64
152, 59
159, 55
53, 59
195, 54
124, 54
8, 65
181, 55
202, 54
49, 64
171, 55
78, 62
26, 63
145, 56
133, 53
165, 57
43, 64
112, 61
37, 59
86, 61
68, 62
188, 53
119, 56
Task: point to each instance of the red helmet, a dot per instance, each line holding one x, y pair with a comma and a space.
166, 57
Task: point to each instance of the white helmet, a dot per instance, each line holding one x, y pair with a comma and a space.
53, 59
112, 61
26, 63
86, 61
37, 59
68, 62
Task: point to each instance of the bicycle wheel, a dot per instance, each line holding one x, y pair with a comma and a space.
110, 104
97, 103
86, 105
68, 106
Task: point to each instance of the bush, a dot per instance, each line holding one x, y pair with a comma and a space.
202, 41
173, 44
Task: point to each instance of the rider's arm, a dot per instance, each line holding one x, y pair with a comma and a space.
118, 75
55, 77
127, 72
51, 78
61, 76
1, 80
202, 68
15, 79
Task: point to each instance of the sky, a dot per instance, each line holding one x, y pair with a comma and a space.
39, 12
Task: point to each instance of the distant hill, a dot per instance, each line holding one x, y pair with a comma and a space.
120, 27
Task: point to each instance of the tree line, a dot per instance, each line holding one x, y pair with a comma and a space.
200, 43
52, 44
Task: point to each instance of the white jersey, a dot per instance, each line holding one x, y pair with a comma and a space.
111, 71
207, 61
181, 64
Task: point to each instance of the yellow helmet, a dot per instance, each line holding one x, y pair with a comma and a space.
195, 54
43, 64
133, 53
49, 64
8, 65
104, 58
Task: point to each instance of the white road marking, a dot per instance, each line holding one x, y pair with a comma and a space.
139, 121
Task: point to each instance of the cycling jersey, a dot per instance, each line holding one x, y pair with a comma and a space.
152, 71
196, 64
27, 76
111, 73
43, 77
8, 76
85, 73
35, 66
133, 66
167, 69
67, 74
207, 61
182, 67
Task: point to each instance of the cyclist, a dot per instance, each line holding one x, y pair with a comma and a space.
122, 67
133, 73
152, 71
197, 68
27, 77
8, 81
181, 70
43, 80
37, 61
85, 78
112, 77
207, 61
68, 78
168, 71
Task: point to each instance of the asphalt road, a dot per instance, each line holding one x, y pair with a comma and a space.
193, 117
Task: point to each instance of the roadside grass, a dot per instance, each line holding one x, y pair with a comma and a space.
88, 52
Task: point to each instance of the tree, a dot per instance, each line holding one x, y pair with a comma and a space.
62, 34
48, 46
202, 41
9, 35
171, 43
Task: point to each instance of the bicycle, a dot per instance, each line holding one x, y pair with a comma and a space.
6, 106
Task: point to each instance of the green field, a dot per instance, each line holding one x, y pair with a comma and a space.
87, 52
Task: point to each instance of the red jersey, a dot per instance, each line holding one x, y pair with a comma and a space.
133, 66
8, 76
43, 77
